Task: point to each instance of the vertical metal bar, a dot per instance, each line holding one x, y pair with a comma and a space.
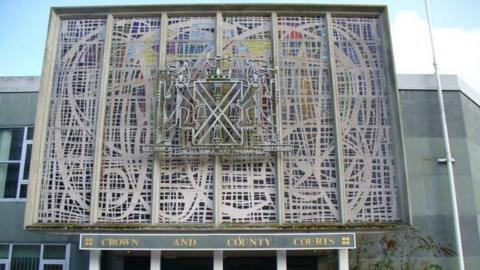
67, 257
218, 191
22, 162
41, 121
342, 202
162, 56
395, 119
42, 263
281, 259
218, 260
94, 261
10, 252
219, 33
278, 122
343, 259
218, 159
155, 260
101, 107
451, 178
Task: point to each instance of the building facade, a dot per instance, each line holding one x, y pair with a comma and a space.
212, 137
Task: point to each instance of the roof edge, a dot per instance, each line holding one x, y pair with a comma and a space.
427, 82
230, 7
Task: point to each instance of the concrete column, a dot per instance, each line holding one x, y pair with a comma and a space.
94, 263
218, 260
155, 260
281, 260
343, 259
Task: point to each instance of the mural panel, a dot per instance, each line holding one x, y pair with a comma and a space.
65, 191
211, 98
365, 121
307, 120
248, 183
126, 177
186, 184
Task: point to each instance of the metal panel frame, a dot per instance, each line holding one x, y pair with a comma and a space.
217, 171
102, 99
396, 121
43, 106
157, 159
340, 168
278, 121
31, 215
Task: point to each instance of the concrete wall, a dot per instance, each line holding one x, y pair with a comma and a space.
471, 234
428, 182
19, 84
12, 232
18, 100
18, 104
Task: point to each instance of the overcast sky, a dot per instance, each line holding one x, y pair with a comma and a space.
23, 29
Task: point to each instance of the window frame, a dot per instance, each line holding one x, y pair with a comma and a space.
65, 263
21, 178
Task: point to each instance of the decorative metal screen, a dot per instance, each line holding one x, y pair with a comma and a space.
69, 149
186, 184
307, 120
248, 183
168, 87
126, 177
365, 121
191, 39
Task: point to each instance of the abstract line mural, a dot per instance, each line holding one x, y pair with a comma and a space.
70, 138
365, 121
186, 184
178, 95
307, 121
248, 183
126, 178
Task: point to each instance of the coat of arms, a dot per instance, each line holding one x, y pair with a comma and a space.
219, 114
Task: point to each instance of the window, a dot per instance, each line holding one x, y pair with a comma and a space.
34, 256
15, 152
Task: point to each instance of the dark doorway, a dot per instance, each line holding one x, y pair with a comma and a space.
187, 263
249, 263
312, 260
136, 262
115, 260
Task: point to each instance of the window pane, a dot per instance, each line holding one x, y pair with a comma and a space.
9, 180
3, 251
23, 191
28, 155
53, 267
25, 257
2, 266
11, 141
54, 252
30, 133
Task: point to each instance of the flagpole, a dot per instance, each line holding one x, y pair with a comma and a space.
451, 179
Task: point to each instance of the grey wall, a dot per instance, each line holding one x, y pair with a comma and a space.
18, 104
12, 232
18, 100
428, 182
471, 234
19, 84
18, 109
